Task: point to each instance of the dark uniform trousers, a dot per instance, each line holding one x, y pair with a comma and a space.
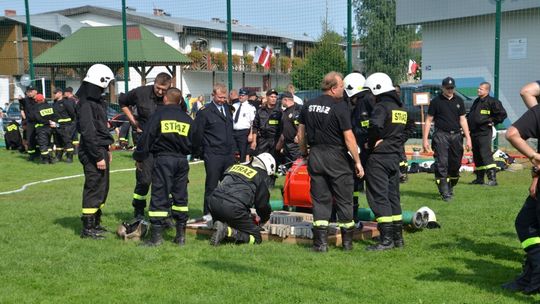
331, 173
169, 176
448, 151
266, 144
241, 141
528, 224
31, 137
143, 177
43, 136
382, 189
62, 136
482, 154
214, 165
237, 216
291, 152
96, 182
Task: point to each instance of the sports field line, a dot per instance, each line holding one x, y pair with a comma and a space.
25, 186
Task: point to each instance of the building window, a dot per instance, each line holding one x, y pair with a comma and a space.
224, 46
245, 49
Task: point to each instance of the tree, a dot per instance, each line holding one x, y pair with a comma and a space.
326, 56
387, 46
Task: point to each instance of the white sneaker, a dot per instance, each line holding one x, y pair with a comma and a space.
207, 217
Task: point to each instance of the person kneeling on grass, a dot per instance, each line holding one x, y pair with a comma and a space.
241, 188
167, 136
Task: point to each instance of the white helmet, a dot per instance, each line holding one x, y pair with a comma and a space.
354, 84
267, 161
100, 75
431, 218
379, 83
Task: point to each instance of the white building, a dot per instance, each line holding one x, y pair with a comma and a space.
459, 41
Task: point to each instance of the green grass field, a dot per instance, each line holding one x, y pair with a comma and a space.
43, 259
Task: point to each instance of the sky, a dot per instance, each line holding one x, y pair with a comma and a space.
288, 16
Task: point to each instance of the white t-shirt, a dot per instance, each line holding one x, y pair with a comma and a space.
247, 115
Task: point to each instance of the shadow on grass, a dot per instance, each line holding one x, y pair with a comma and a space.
481, 274
418, 194
70, 222
232, 267
490, 250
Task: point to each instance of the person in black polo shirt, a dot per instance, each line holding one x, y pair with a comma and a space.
527, 221
145, 99
448, 112
289, 121
325, 125
485, 113
213, 140
167, 136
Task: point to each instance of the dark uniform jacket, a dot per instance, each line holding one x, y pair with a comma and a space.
65, 110
213, 132
484, 113
387, 122
289, 122
28, 104
44, 112
168, 132
267, 123
246, 185
144, 99
92, 121
365, 103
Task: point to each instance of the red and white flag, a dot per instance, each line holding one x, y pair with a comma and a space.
262, 56
413, 67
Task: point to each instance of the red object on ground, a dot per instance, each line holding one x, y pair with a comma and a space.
296, 190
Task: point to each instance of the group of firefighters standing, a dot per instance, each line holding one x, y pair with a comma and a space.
343, 138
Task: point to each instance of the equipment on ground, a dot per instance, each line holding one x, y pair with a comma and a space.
133, 230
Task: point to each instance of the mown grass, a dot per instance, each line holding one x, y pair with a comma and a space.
43, 260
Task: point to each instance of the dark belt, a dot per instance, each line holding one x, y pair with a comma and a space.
449, 132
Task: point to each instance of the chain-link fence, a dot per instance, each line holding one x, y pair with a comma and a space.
271, 44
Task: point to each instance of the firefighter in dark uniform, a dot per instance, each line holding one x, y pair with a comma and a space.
12, 136
45, 120
327, 121
267, 127
27, 105
288, 142
146, 100
485, 113
362, 101
167, 135
65, 111
242, 188
213, 140
385, 141
94, 152
68, 95
447, 110
527, 221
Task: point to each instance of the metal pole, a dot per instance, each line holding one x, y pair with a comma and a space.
29, 36
349, 36
497, 55
229, 45
124, 44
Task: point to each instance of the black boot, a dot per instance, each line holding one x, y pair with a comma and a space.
44, 159
521, 282
492, 177
444, 189
156, 237
452, 182
69, 157
347, 235
138, 213
386, 240
59, 154
221, 233
320, 239
533, 286
89, 231
479, 177
180, 237
398, 234
99, 228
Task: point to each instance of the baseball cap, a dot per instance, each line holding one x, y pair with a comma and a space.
271, 91
286, 95
252, 94
448, 82
57, 90
69, 89
243, 92
30, 88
